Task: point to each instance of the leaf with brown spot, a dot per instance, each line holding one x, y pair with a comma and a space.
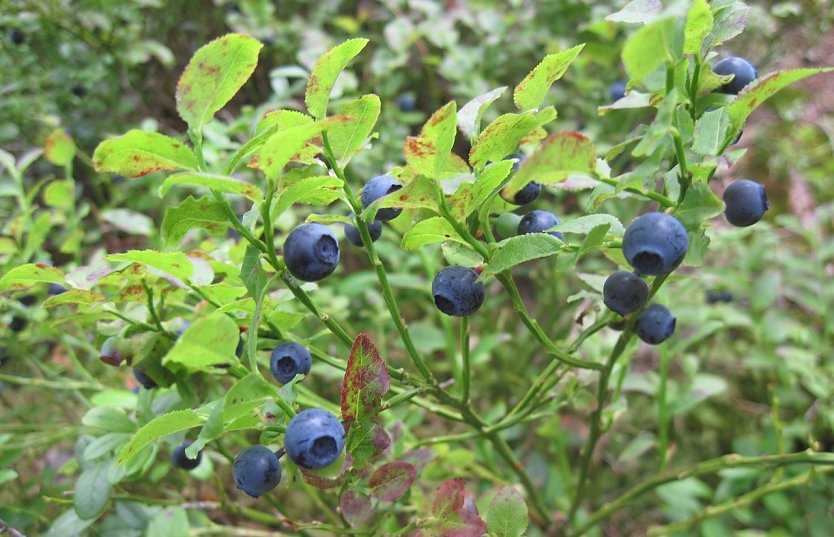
366, 381
139, 153
421, 193
326, 71
59, 148
74, 296
501, 138
176, 264
428, 153
220, 183
530, 92
347, 138
30, 274
560, 155
455, 511
214, 75
470, 197
204, 213
283, 146
392, 480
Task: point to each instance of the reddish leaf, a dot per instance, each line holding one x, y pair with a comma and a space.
366, 381
366, 440
449, 498
356, 507
418, 458
456, 512
392, 480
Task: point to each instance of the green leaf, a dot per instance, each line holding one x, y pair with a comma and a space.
698, 26
648, 48
711, 132
560, 155
531, 91
285, 320
507, 515
434, 229
365, 440
517, 250
139, 153
501, 138
59, 194
322, 190
161, 426
699, 204
585, 224
170, 522
761, 89
108, 419
637, 11
129, 221
59, 148
347, 137
74, 296
176, 264
246, 395
251, 271
209, 341
366, 381
92, 490
326, 71
212, 428
471, 196
68, 525
428, 153
220, 183
284, 146
592, 241
470, 115
203, 213
214, 75
421, 193
30, 274
729, 21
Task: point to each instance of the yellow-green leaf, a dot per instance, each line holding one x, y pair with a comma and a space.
139, 153
531, 91
326, 71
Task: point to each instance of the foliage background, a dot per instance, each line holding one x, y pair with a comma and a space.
97, 68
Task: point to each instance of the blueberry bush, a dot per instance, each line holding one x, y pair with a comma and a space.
534, 326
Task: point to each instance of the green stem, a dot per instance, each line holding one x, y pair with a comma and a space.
663, 408
304, 298
464, 351
151, 308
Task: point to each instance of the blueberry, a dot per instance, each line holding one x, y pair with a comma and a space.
311, 252
714, 296
353, 236
527, 194
624, 292
746, 202
180, 460
78, 90
519, 158
55, 289
314, 438
288, 360
17, 36
655, 243
456, 291
18, 323
239, 348
537, 222
143, 379
256, 470
616, 90
28, 300
743, 71
655, 325
407, 103
109, 354
379, 186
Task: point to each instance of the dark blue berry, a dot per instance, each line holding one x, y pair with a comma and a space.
616, 91
379, 186
288, 360
55, 289
655, 325
353, 236
314, 439
180, 460
17, 36
527, 194
109, 354
714, 297
655, 243
256, 470
539, 221
78, 90
746, 202
407, 103
311, 252
143, 379
457, 292
743, 71
624, 292
18, 323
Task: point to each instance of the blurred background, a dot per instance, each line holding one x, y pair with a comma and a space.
759, 317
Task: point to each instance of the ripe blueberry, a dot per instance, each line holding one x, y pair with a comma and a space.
143, 379
78, 90
353, 236
311, 252
379, 186
616, 90
655, 243
624, 292
655, 325
714, 297
407, 103
17, 36
746, 202
109, 354
314, 438
18, 323
256, 470
288, 360
180, 460
55, 289
530, 191
743, 71
539, 221
456, 291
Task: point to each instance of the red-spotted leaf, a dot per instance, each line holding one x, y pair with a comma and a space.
59, 148
139, 153
366, 440
366, 381
326, 71
531, 91
456, 513
501, 138
449, 498
355, 507
214, 75
560, 155
30, 274
418, 458
427, 154
391, 480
